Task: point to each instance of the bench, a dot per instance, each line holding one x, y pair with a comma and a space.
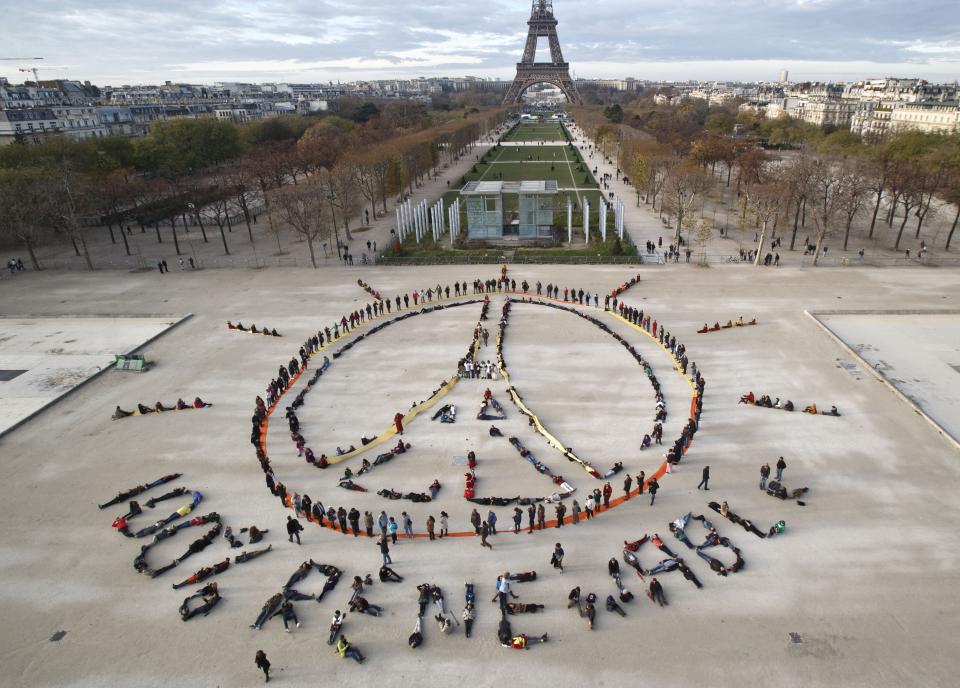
130, 362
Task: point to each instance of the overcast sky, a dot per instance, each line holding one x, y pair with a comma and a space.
148, 41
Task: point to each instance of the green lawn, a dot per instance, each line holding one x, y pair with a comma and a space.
556, 163
536, 132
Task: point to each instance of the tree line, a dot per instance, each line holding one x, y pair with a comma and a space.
677, 154
212, 174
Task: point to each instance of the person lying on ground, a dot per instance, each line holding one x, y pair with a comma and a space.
210, 596
270, 607
144, 410
181, 405
659, 544
416, 638
200, 403
244, 557
636, 544
612, 606
612, 471
345, 649
361, 605
445, 624
302, 571
664, 566
811, 409
748, 398
523, 641
203, 574
514, 608
388, 575
524, 577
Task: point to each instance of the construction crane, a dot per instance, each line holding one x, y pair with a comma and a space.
34, 70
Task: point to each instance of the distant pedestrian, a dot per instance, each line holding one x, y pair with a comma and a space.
263, 664
492, 522
431, 523
293, 529
392, 529
652, 488
159, 267
557, 559
781, 464
704, 481
484, 534
165, 267
607, 492
385, 551
627, 484
444, 524
407, 524
475, 521
764, 475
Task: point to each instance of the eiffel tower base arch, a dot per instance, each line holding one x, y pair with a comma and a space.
530, 75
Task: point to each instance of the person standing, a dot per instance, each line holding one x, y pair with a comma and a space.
781, 464
263, 664
541, 516
407, 524
557, 559
492, 522
385, 550
704, 481
531, 516
475, 521
627, 484
517, 519
484, 534
444, 524
293, 529
607, 493
398, 422
641, 478
431, 522
383, 522
652, 489
764, 475
392, 529
368, 523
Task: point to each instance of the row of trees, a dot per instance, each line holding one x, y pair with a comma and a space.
829, 179
204, 172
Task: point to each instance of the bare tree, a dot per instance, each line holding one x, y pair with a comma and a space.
853, 192
825, 193
25, 211
684, 185
303, 207
766, 201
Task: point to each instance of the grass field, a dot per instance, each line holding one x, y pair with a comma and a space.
512, 164
535, 132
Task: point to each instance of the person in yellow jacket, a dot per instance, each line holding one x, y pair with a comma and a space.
345, 649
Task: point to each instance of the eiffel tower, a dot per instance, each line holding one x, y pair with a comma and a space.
529, 72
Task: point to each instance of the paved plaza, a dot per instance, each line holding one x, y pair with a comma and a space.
859, 590
42, 359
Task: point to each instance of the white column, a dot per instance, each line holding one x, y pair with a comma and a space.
569, 221
603, 219
586, 219
399, 225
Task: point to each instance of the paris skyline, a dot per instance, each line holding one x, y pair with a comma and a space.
112, 42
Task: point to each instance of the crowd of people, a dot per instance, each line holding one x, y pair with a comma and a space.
730, 324
765, 401
159, 407
253, 329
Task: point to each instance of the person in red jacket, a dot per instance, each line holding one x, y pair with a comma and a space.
398, 421
607, 492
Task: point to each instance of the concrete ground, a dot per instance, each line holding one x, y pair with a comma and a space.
918, 353
45, 358
865, 575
